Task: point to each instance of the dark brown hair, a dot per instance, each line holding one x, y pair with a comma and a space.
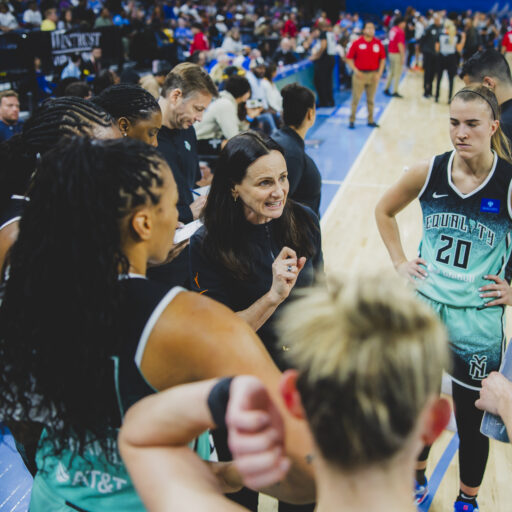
227, 230
189, 78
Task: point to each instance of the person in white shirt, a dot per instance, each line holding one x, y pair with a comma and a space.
220, 121
255, 76
32, 16
7, 21
232, 42
72, 70
272, 93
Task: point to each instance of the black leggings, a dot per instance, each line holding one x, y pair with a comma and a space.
450, 64
473, 447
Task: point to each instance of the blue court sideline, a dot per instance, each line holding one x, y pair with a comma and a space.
334, 148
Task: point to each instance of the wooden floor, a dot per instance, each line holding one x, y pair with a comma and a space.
412, 129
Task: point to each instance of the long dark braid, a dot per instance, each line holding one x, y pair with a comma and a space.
60, 318
54, 119
130, 101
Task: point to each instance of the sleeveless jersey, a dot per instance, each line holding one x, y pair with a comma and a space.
465, 236
14, 210
90, 482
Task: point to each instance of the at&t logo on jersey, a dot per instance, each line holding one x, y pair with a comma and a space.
478, 367
490, 205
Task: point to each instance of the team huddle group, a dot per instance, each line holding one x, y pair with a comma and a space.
128, 356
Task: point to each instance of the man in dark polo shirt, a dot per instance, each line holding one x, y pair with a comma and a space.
489, 68
367, 58
186, 93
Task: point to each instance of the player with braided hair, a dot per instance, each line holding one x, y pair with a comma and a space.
53, 120
76, 358
136, 111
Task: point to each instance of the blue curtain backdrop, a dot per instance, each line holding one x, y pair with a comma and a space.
376, 7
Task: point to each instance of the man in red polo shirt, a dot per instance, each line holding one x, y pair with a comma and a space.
367, 58
506, 47
396, 50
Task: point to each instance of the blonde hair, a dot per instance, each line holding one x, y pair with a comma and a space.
369, 355
499, 141
451, 29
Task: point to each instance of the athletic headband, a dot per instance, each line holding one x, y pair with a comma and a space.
481, 96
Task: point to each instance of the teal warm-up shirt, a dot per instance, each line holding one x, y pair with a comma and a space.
465, 236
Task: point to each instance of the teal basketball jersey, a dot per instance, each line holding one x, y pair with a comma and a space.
465, 236
89, 482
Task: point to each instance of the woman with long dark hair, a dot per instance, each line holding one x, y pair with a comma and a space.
256, 243
84, 334
135, 110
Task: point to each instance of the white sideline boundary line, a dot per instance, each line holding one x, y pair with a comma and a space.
350, 173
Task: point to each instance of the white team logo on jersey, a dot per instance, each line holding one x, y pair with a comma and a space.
435, 195
478, 367
62, 475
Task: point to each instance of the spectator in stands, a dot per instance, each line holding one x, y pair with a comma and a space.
396, 50
506, 47
290, 26
220, 121
136, 112
285, 55
79, 89
153, 83
255, 76
10, 123
272, 94
367, 59
489, 68
66, 20
95, 64
232, 42
199, 41
104, 19
73, 67
50, 20
32, 17
82, 14
8, 21
60, 89
217, 71
303, 174
104, 79
183, 34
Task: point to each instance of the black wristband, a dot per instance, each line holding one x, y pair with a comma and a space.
218, 401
